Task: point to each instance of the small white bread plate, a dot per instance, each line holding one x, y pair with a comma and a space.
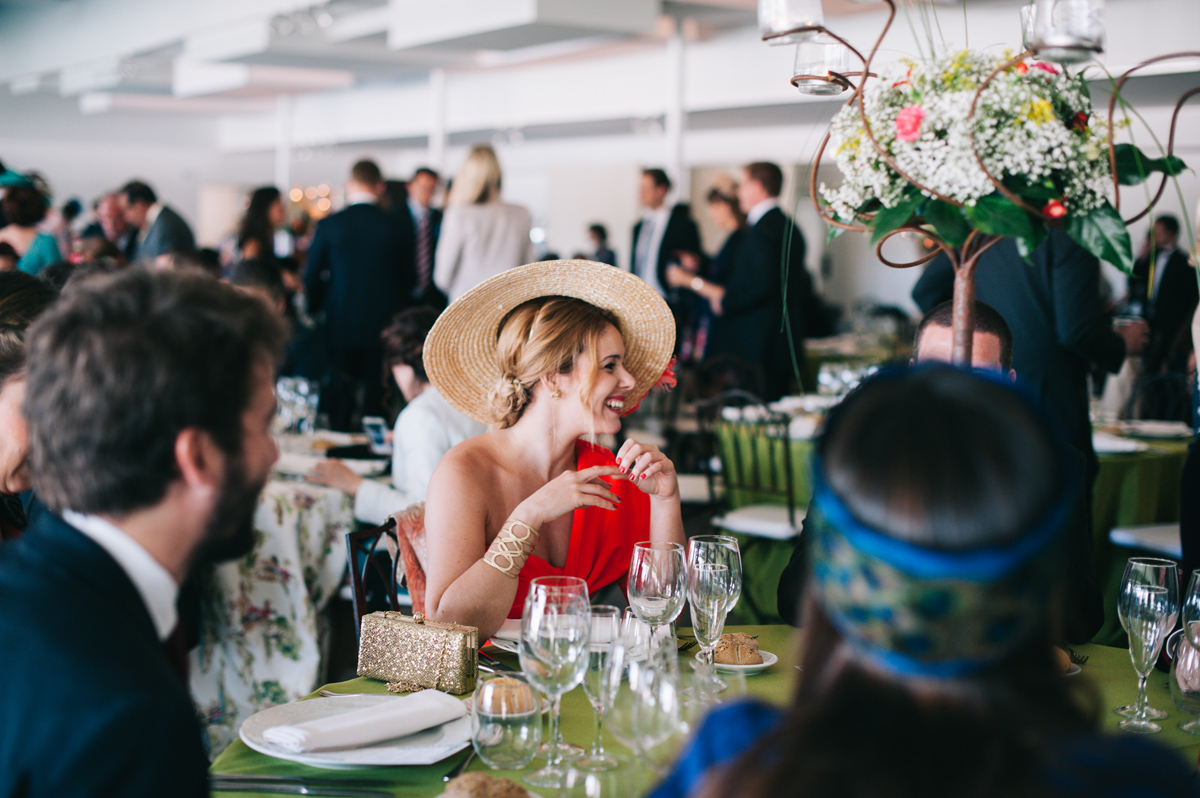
422, 748
769, 659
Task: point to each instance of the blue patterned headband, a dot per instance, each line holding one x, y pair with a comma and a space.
927, 612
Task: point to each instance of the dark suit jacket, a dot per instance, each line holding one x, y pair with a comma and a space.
1170, 311
432, 296
360, 273
94, 706
749, 326
1053, 310
169, 233
681, 234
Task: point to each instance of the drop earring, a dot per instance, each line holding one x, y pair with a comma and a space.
556, 394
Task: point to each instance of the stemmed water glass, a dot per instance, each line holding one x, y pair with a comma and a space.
1190, 612
708, 595
646, 707
598, 682
720, 549
555, 636
1147, 606
657, 582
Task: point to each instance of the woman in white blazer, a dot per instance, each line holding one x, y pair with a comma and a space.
481, 236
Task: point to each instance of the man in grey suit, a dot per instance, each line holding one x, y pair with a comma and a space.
160, 230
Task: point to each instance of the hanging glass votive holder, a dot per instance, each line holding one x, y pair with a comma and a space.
821, 67
1028, 17
789, 21
1068, 31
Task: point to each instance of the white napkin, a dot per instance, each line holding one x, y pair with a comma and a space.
396, 717
1107, 443
509, 630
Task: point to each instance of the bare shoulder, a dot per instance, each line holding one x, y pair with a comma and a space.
464, 477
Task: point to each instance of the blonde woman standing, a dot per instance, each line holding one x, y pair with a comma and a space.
481, 236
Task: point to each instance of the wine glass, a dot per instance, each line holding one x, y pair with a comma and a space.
719, 549
1190, 612
598, 682
555, 635
506, 721
657, 582
708, 595
1156, 572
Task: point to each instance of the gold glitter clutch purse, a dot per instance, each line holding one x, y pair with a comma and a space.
414, 654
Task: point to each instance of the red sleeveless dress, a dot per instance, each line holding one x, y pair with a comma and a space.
601, 540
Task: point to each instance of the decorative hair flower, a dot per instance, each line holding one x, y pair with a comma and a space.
667, 381
908, 123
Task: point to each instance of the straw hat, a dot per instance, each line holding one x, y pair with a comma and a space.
460, 349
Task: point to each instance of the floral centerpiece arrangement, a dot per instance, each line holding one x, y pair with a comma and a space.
989, 143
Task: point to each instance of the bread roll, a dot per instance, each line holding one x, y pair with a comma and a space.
1063, 659
737, 648
505, 695
481, 785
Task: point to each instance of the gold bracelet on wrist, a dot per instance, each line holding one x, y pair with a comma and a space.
509, 550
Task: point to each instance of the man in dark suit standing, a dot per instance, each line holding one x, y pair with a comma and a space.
159, 230
1168, 308
661, 233
150, 403
359, 276
426, 222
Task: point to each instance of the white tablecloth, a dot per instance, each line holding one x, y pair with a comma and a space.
264, 639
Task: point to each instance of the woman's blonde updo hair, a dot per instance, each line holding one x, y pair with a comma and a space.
540, 337
478, 181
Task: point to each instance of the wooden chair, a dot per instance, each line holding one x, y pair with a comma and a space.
361, 550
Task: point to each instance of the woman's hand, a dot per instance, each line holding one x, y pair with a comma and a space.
648, 468
679, 277
335, 474
569, 491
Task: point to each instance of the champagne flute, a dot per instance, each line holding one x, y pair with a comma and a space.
555, 635
1146, 608
1190, 612
598, 682
708, 595
719, 549
657, 582
1161, 573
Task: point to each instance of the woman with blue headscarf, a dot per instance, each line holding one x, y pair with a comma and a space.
933, 534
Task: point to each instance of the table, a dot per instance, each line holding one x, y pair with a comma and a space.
1135, 488
264, 636
1108, 668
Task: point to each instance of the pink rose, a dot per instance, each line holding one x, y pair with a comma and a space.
908, 123
1045, 67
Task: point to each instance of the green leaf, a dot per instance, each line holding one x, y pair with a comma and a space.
1134, 166
832, 233
948, 222
1103, 233
1026, 246
995, 215
888, 219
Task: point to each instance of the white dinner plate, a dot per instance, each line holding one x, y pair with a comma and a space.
1107, 443
769, 659
1156, 429
297, 465
422, 748
1071, 671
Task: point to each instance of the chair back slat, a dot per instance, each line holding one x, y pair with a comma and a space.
361, 547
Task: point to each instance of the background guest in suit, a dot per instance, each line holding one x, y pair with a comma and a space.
150, 404
160, 230
1169, 306
481, 236
359, 276
264, 217
25, 204
22, 299
110, 223
601, 253
662, 231
426, 221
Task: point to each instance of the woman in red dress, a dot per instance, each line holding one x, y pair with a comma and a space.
547, 354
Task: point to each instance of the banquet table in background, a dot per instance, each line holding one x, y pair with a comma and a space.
264, 637
1131, 489
1108, 668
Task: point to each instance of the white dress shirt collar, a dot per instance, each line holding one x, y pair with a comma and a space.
417, 209
151, 217
760, 210
360, 198
154, 583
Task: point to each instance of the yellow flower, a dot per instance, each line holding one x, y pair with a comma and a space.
1039, 112
1091, 151
848, 144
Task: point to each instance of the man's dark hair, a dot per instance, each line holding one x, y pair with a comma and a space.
987, 321
23, 298
600, 232
121, 365
404, 341
659, 177
204, 260
425, 170
767, 175
259, 273
24, 206
366, 173
1169, 222
60, 274
136, 191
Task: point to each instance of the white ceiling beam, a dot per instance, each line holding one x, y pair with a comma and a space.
196, 78
106, 102
243, 38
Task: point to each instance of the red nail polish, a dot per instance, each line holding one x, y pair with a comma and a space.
643, 476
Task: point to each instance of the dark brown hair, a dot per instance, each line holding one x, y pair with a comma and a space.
987, 321
404, 341
366, 173
23, 297
121, 365
944, 459
767, 175
659, 177
23, 206
715, 195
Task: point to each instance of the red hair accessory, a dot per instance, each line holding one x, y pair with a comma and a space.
667, 381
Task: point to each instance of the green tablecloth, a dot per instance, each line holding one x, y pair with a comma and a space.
1108, 668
